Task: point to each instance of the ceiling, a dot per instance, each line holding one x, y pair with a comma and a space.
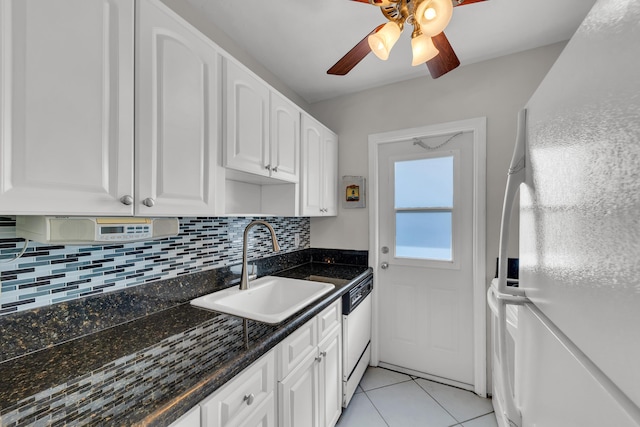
299, 40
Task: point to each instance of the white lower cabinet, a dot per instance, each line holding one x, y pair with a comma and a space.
190, 419
299, 395
306, 370
310, 394
246, 400
331, 379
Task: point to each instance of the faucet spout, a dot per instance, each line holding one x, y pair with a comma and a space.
244, 279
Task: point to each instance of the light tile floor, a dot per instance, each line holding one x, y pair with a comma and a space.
390, 399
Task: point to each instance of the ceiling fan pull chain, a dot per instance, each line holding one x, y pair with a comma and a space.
421, 143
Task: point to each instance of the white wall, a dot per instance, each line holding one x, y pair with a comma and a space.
496, 89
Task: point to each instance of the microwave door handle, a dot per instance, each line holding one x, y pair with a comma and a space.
515, 177
499, 308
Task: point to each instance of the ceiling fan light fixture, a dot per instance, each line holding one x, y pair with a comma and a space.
433, 16
382, 41
423, 49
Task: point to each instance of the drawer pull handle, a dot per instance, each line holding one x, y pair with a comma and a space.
249, 398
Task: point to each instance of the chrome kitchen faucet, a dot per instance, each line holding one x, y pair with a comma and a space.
244, 281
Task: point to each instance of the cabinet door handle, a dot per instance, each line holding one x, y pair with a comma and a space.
268, 167
275, 169
249, 398
126, 200
149, 202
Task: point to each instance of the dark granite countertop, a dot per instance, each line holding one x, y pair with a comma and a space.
152, 369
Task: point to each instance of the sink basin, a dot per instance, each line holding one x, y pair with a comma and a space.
269, 299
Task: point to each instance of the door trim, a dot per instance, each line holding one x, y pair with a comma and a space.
478, 126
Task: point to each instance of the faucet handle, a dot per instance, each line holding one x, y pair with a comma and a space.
252, 273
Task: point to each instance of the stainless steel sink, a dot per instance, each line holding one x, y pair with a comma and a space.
269, 299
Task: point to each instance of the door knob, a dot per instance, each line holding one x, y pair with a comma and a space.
149, 202
384, 265
126, 200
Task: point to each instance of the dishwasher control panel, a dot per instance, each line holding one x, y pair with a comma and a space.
356, 295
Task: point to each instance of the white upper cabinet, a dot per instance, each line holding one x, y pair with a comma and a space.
318, 170
330, 173
246, 122
177, 111
66, 106
67, 141
285, 139
262, 128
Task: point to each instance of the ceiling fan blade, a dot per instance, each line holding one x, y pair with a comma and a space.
455, 2
354, 56
445, 61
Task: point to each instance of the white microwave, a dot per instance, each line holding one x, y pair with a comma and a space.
76, 230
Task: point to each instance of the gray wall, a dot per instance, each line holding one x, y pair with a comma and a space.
496, 89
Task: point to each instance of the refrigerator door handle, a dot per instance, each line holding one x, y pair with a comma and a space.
516, 176
499, 307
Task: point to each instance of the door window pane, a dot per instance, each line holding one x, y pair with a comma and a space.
423, 192
424, 183
425, 235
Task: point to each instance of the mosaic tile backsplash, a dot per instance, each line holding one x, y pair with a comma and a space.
48, 274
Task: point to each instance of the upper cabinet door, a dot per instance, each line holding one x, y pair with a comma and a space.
318, 170
285, 139
246, 123
177, 110
66, 106
330, 170
311, 168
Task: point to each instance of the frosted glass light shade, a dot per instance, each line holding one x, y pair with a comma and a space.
434, 16
423, 49
382, 41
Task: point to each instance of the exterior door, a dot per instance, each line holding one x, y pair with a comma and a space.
425, 253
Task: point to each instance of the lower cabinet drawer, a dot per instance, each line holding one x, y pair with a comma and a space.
329, 319
236, 402
262, 416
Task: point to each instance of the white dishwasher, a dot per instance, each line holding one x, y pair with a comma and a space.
356, 336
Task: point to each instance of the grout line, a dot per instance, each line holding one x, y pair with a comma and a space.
384, 386
436, 400
376, 408
479, 416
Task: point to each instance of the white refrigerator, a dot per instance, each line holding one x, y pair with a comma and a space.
567, 340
